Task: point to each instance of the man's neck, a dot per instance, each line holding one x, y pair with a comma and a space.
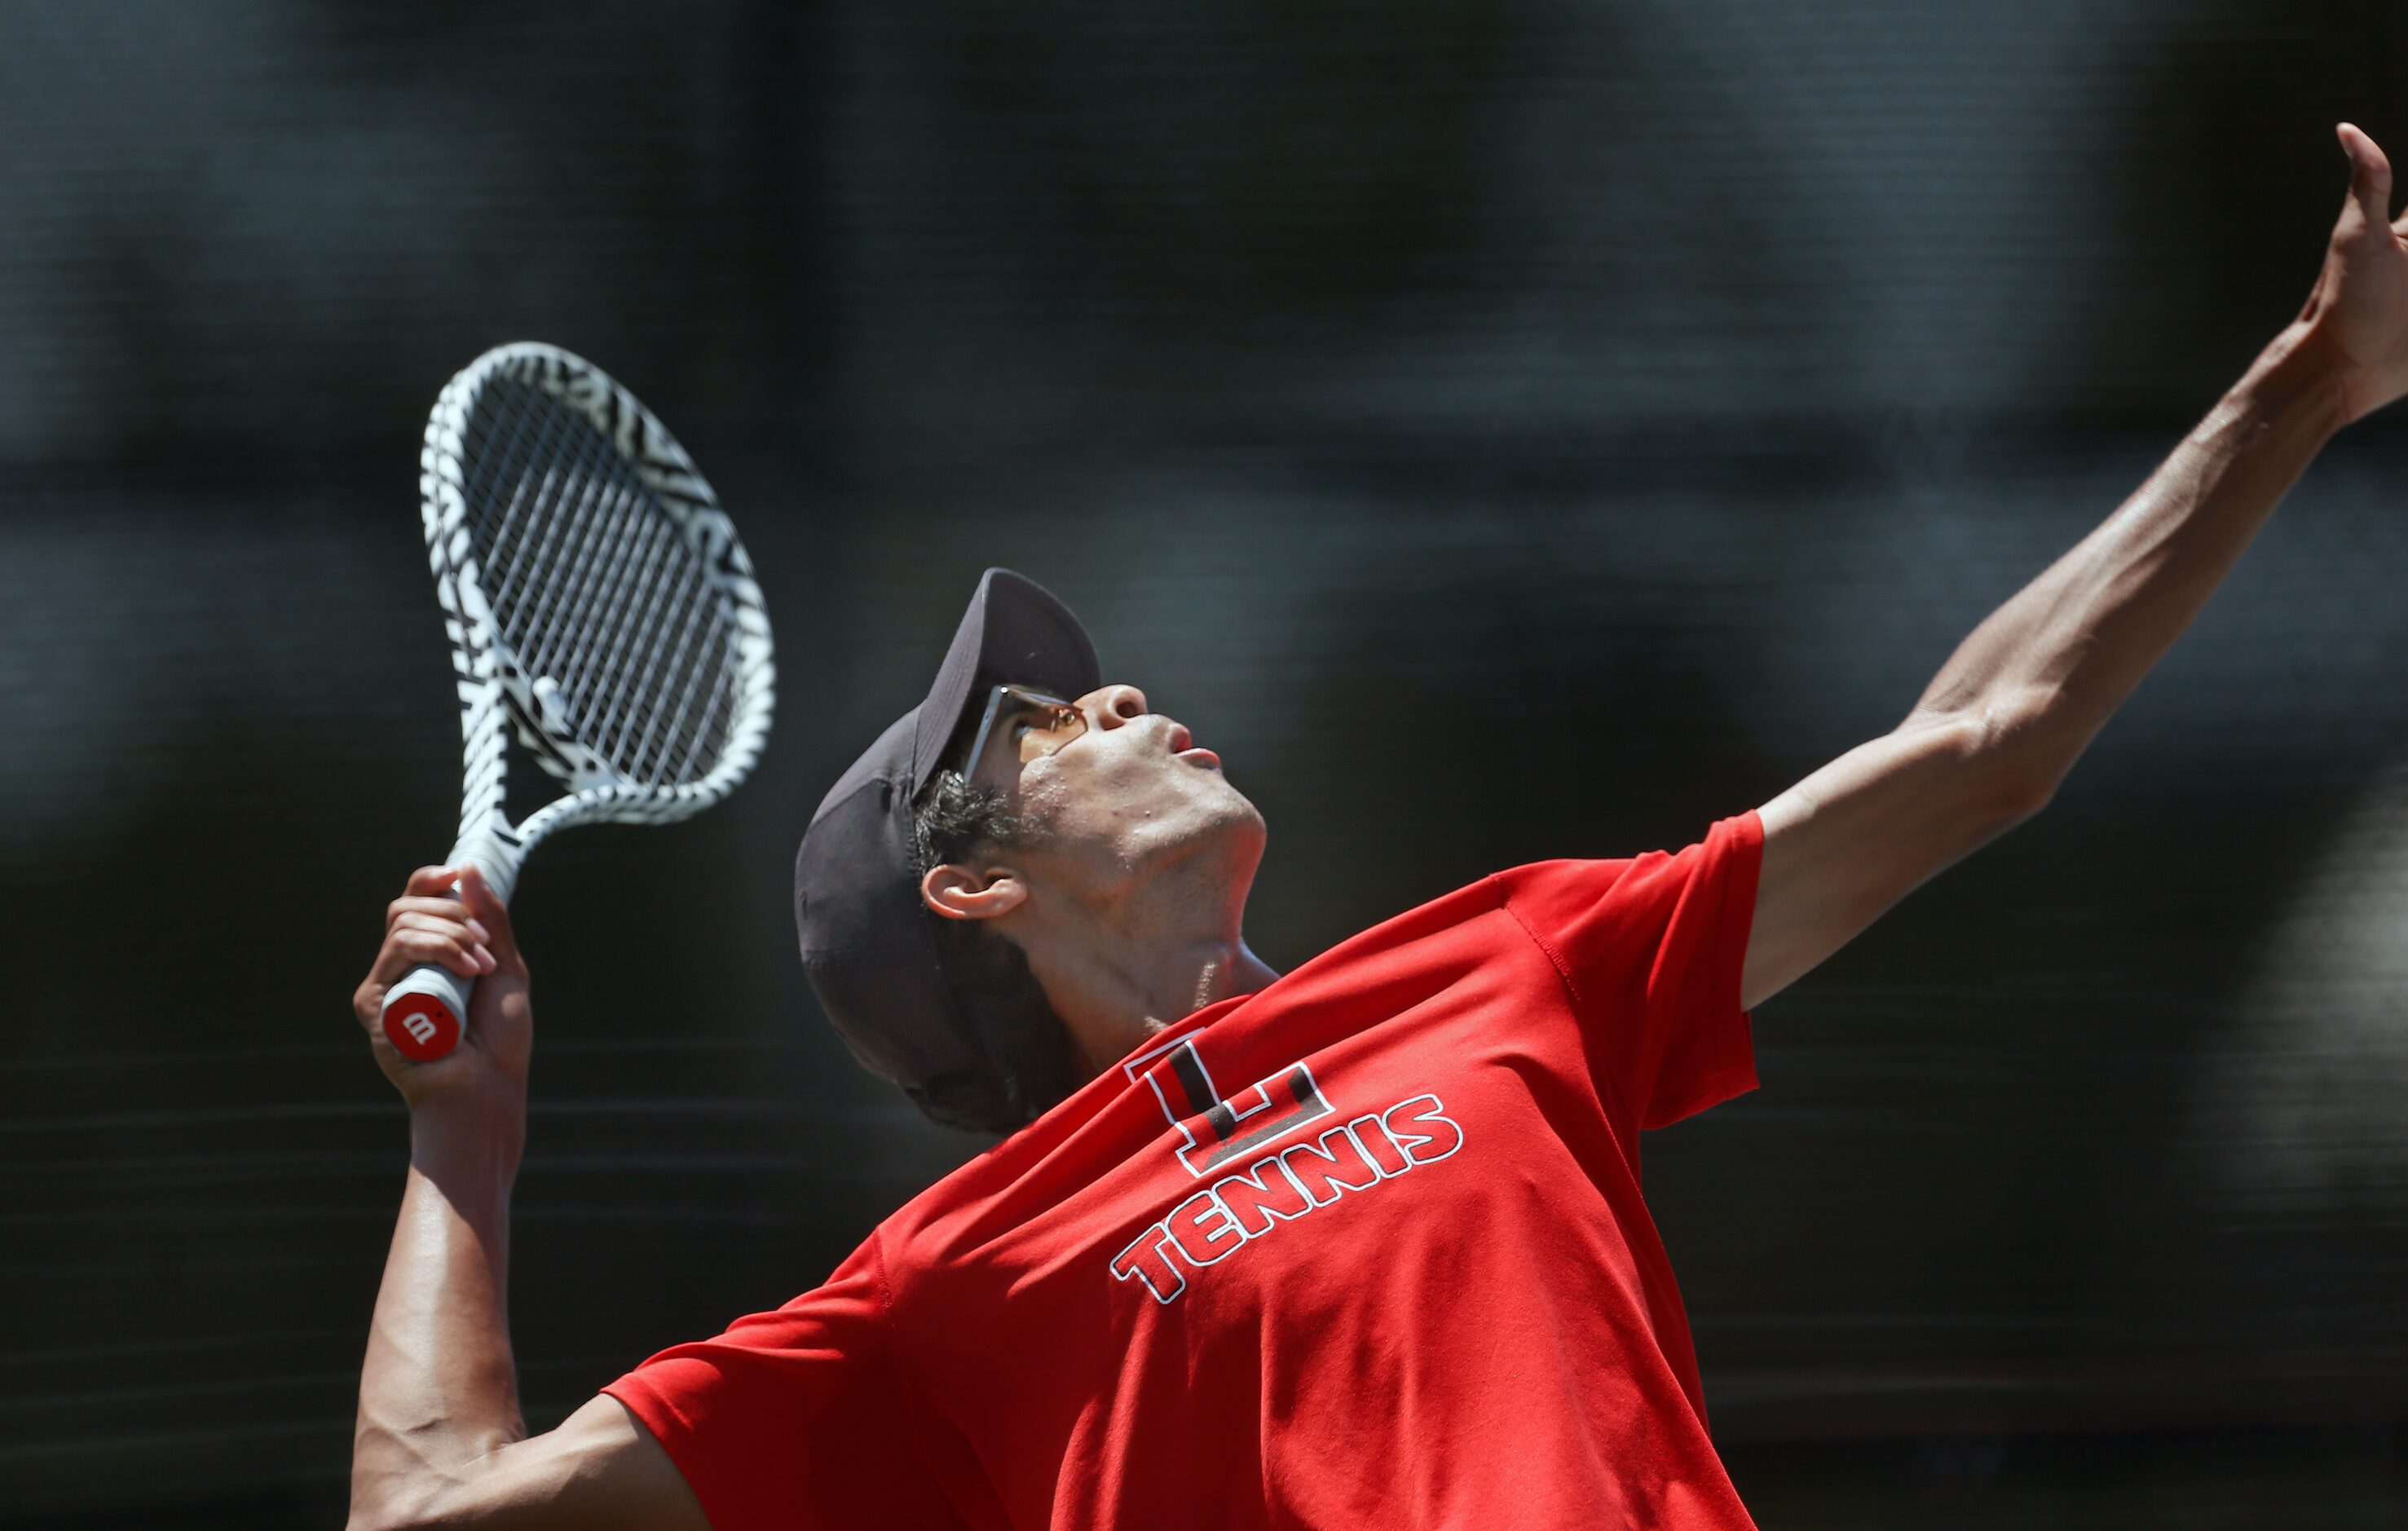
1140, 964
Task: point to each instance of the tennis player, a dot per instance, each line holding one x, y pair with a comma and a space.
1361, 1244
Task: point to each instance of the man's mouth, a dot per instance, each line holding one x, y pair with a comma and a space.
1184, 744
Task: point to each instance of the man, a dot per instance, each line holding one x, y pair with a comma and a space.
1361, 1240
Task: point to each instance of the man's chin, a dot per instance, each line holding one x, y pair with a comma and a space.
1230, 804
1218, 812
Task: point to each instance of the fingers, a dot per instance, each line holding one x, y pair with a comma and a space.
441, 908
2370, 175
488, 911
464, 886
407, 948
465, 931
470, 936
430, 924
448, 941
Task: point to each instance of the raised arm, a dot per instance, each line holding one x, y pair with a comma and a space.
439, 1442
2006, 717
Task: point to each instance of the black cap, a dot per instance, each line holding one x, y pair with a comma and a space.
870, 945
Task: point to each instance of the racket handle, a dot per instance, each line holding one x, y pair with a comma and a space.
426, 1013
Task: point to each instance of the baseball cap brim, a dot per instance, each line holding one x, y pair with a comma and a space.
1016, 631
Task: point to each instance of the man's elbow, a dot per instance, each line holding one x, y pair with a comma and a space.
2014, 751
398, 1502
378, 1516
2029, 750
2022, 798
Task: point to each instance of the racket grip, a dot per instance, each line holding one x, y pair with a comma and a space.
426, 1013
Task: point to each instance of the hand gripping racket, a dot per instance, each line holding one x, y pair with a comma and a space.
598, 601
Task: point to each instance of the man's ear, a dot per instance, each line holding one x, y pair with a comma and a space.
957, 893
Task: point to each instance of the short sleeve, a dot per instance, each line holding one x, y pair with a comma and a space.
797, 1417
1651, 949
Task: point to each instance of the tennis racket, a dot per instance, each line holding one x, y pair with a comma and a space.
599, 605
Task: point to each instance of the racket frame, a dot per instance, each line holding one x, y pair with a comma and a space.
498, 696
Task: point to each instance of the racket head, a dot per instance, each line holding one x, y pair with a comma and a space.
598, 596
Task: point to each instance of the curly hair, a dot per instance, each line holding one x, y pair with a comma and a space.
1031, 1062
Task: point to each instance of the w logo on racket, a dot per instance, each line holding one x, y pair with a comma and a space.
1216, 1130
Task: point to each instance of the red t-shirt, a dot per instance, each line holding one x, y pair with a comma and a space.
1363, 1248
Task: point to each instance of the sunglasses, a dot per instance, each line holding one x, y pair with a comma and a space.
1036, 724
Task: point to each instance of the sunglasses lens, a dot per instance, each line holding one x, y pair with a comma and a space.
1028, 723
1041, 725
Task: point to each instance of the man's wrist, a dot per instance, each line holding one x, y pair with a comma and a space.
2304, 370
478, 1128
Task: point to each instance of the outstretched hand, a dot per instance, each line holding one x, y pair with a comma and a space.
470, 936
2359, 309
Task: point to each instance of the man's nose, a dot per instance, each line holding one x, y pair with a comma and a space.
1113, 705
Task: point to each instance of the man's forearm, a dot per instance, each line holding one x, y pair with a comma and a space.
439, 1391
2047, 669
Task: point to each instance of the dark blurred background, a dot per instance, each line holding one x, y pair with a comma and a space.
1502, 430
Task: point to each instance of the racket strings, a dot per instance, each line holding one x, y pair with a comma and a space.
649, 631
594, 587
549, 546
701, 630
649, 728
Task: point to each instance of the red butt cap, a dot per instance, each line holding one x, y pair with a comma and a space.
422, 1027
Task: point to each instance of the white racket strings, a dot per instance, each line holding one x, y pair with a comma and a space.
608, 610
